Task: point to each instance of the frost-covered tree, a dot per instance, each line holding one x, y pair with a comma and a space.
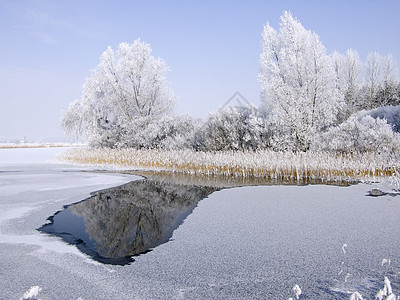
373, 73
348, 70
71, 120
128, 84
298, 84
387, 94
381, 86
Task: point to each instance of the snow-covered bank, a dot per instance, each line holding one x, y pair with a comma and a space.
260, 164
37, 145
30, 155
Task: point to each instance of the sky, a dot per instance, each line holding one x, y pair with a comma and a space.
49, 47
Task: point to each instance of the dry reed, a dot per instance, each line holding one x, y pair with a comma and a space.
260, 164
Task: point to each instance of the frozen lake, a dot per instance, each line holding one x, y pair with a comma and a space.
238, 243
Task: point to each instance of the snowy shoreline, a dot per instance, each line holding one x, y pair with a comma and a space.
24, 145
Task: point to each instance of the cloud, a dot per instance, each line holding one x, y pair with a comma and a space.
48, 21
40, 25
45, 24
44, 37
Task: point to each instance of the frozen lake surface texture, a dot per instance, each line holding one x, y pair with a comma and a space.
238, 243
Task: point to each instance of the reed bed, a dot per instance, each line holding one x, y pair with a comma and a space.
259, 164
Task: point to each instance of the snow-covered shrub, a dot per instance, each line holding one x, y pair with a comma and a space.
233, 128
390, 113
364, 134
170, 133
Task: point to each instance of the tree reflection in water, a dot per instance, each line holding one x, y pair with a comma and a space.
115, 224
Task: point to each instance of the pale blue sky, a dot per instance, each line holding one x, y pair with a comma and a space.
48, 47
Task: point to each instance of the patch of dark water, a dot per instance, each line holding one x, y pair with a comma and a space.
117, 224
114, 225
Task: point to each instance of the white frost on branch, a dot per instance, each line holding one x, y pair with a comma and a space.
344, 248
385, 261
297, 291
32, 293
387, 292
356, 296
